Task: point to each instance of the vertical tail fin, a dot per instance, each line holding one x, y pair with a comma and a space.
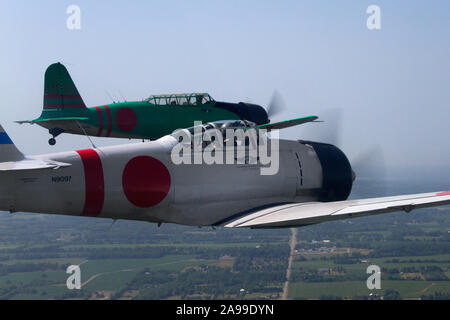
60, 93
8, 151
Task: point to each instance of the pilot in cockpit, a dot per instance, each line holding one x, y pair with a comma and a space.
199, 99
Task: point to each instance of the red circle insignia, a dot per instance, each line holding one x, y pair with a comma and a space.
145, 181
126, 119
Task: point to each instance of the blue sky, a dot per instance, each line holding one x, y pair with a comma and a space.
392, 85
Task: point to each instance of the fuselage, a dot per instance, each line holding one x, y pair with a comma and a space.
64, 111
141, 182
144, 120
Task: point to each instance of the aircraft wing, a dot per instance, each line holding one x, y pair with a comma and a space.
31, 164
301, 214
288, 123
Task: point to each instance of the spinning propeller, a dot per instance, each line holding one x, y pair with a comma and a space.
368, 165
276, 105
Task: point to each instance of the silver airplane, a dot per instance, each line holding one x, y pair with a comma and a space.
141, 182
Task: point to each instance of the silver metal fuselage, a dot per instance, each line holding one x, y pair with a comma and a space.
199, 195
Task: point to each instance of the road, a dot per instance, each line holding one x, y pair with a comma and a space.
293, 243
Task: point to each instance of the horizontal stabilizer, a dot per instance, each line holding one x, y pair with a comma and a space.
288, 123
301, 214
31, 164
48, 120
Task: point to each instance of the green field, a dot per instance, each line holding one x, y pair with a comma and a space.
352, 289
408, 289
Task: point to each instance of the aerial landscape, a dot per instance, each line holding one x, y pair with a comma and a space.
259, 155
138, 260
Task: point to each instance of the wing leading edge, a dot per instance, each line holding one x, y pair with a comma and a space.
288, 123
31, 164
301, 214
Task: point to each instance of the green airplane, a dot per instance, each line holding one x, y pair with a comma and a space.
64, 111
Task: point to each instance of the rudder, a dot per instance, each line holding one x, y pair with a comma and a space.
60, 93
8, 151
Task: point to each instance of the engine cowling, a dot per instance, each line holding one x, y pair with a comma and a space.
337, 173
246, 111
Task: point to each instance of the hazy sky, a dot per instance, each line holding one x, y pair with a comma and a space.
392, 85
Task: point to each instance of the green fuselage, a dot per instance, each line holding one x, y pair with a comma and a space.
138, 119
64, 111
143, 120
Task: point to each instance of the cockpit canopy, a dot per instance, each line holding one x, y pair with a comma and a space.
221, 126
240, 132
184, 99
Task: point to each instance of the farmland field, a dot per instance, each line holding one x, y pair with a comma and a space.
137, 260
